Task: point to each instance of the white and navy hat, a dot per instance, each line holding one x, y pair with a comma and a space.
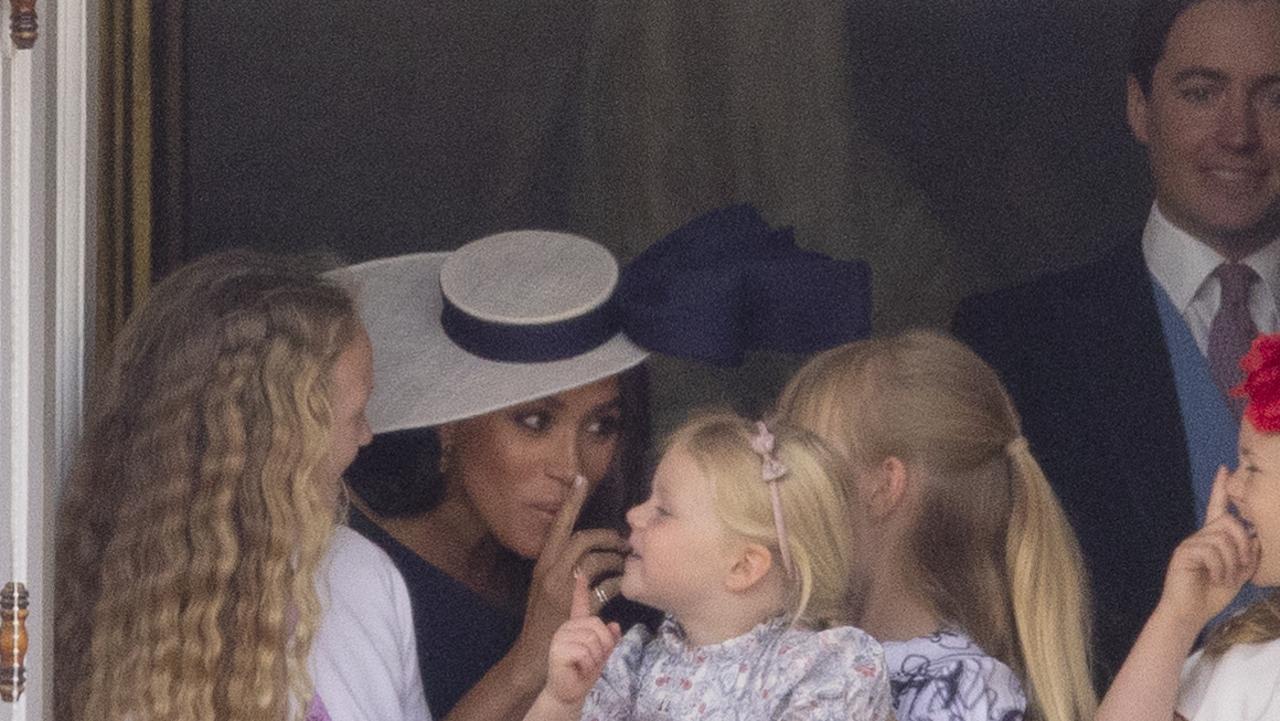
526, 314
502, 320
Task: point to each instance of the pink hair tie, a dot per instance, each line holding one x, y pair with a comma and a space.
771, 470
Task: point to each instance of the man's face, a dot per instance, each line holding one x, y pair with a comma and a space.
1211, 124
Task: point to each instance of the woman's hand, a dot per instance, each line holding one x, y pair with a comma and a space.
1209, 567
589, 554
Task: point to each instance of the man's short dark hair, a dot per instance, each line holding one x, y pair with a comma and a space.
1150, 32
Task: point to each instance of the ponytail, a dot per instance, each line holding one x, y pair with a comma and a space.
994, 554
1048, 595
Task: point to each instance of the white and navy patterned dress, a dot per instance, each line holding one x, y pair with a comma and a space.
947, 677
772, 672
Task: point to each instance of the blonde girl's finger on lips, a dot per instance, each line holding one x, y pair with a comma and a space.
1226, 538
1228, 562
1217, 539
1217, 496
1234, 534
1238, 537
1208, 558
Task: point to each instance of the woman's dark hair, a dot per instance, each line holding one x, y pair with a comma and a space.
398, 474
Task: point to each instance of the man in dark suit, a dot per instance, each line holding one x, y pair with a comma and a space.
1119, 367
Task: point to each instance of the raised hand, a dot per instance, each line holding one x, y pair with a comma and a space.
566, 554
1205, 573
579, 650
1209, 567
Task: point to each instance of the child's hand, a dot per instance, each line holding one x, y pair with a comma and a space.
579, 649
1209, 567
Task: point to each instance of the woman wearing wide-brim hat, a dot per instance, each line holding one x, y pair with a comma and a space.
507, 376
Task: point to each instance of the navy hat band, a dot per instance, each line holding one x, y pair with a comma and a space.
530, 343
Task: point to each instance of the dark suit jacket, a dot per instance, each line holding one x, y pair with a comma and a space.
1082, 353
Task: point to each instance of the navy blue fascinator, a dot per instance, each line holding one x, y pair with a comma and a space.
726, 283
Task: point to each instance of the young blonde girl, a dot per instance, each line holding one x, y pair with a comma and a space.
1236, 675
204, 499
741, 543
967, 571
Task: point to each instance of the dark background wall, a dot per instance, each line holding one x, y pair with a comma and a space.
955, 145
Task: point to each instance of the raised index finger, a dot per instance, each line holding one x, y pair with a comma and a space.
1218, 496
581, 604
562, 526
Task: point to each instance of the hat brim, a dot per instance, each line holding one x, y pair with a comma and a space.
422, 378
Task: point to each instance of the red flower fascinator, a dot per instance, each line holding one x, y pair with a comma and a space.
1261, 384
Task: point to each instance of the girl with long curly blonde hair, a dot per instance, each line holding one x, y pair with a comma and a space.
205, 496
968, 572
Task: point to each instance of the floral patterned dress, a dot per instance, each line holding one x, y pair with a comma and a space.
774, 671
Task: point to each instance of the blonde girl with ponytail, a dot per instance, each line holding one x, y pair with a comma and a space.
968, 572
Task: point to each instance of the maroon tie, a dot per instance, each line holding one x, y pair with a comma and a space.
1232, 330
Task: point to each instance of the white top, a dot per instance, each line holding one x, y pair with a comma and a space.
945, 676
1184, 266
364, 658
1241, 685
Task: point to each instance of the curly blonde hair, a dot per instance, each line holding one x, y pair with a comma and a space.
994, 554
814, 501
197, 513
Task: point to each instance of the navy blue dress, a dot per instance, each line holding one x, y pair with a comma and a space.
460, 634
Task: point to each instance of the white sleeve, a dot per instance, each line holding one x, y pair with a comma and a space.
1241, 685
364, 658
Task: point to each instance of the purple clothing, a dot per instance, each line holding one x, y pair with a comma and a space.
316, 711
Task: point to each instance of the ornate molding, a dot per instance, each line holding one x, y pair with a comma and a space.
22, 23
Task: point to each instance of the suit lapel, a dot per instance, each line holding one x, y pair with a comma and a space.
1135, 398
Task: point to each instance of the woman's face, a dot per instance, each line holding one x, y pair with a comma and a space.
515, 466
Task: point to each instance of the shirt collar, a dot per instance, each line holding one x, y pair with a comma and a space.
1181, 263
